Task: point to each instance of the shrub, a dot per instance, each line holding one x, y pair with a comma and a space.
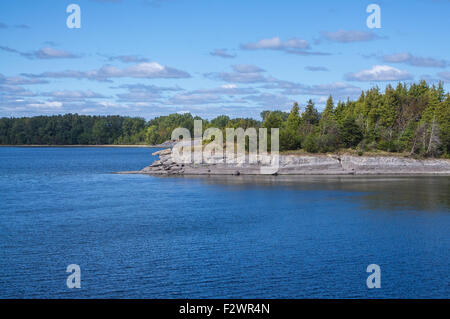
289, 140
310, 143
327, 143
349, 133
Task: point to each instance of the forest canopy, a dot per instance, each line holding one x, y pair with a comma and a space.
407, 118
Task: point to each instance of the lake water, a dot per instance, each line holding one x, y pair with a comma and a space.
140, 236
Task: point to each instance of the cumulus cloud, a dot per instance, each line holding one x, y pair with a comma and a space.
14, 97
141, 92
380, 73
292, 46
343, 36
195, 99
223, 53
408, 58
46, 105
336, 89
13, 92
271, 100
227, 89
147, 70
247, 68
15, 100
148, 88
134, 95
20, 80
25, 106
238, 77
73, 95
242, 73
224, 94
44, 53
276, 43
49, 53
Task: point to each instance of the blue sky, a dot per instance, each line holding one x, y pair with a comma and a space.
209, 57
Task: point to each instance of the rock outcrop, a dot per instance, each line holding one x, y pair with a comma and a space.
302, 165
166, 144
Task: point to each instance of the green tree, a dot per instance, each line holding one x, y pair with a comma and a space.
311, 115
350, 133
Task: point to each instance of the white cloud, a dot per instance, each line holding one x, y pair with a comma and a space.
247, 68
147, 88
139, 95
343, 36
336, 89
238, 77
227, 89
229, 86
74, 95
380, 73
408, 58
242, 73
46, 105
142, 92
43, 54
195, 99
49, 53
276, 43
108, 104
223, 53
223, 94
292, 46
20, 80
271, 100
146, 70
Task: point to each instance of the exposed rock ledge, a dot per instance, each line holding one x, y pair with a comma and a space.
304, 165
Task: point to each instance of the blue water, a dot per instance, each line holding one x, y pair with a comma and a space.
140, 236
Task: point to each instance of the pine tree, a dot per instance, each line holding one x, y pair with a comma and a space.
328, 112
290, 138
311, 115
327, 120
293, 120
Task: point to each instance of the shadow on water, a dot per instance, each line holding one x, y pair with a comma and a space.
422, 193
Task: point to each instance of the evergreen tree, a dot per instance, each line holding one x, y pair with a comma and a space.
311, 115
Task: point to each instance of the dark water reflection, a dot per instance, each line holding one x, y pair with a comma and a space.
427, 193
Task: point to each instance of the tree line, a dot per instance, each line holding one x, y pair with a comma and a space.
408, 118
72, 129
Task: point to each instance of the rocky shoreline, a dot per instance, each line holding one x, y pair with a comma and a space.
304, 165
